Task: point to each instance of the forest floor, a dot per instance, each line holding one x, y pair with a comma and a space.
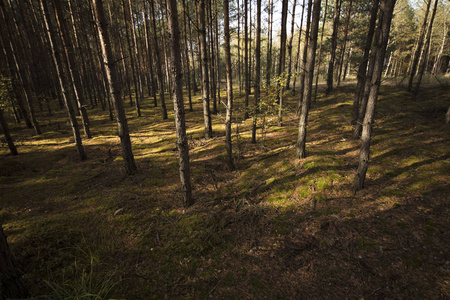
276, 227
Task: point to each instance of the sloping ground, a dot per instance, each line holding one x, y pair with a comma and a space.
277, 227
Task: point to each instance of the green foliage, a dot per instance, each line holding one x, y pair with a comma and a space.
83, 280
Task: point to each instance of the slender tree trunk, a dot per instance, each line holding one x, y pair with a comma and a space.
347, 22
246, 63
269, 42
423, 67
216, 35
13, 74
257, 68
290, 46
305, 55
149, 53
7, 37
320, 50
8, 138
205, 77
347, 64
441, 51
418, 50
298, 47
229, 107
282, 60
362, 70
186, 53
158, 61
62, 81
131, 52
177, 74
74, 75
337, 11
114, 86
239, 46
384, 24
11, 284
212, 61
309, 70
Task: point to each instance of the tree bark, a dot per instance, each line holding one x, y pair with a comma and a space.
18, 69
290, 46
186, 54
177, 74
337, 10
229, 107
74, 75
362, 70
347, 22
309, 70
11, 284
320, 50
158, 61
384, 24
205, 77
424, 64
246, 62
257, 87
415, 61
8, 138
269, 42
298, 47
149, 53
304, 58
62, 81
113, 82
133, 52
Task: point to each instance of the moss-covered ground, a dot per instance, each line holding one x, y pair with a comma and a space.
276, 227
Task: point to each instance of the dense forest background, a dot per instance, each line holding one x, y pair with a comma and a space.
195, 149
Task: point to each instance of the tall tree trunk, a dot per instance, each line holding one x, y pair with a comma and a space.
337, 11
62, 81
212, 61
282, 60
13, 74
269, 42
205, 77
423, 67
304, 59
257, 68
216, 42
320, 49
246, 63
74, 75
11, 283
418, 50
309, 70
347, 22
114, 86
229, 107
298, 47
290, 46
177, 74
384, 24
239, 46
158, 61
362, 70
7, 37
441, 51
149, 53
134, 55
8, 138
186, 54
